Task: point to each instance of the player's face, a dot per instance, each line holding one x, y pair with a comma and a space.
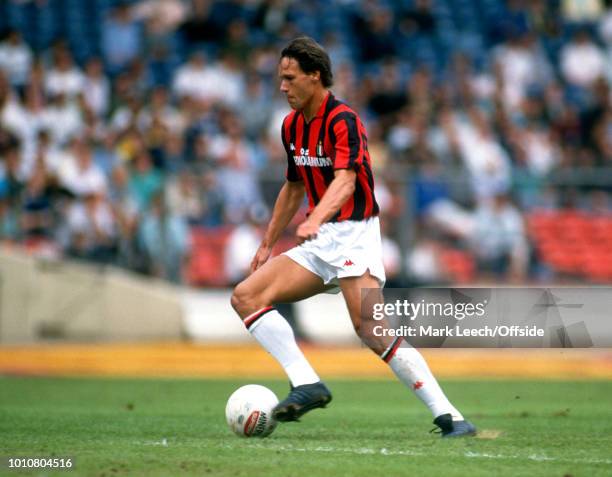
299, 87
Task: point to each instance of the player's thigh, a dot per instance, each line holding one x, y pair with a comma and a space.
360, 295
365, 290
280, 280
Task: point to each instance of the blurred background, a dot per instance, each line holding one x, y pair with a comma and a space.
140, 150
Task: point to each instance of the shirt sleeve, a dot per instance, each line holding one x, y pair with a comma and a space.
345, 137
292, 174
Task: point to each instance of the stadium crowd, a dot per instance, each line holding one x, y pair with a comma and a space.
125, 126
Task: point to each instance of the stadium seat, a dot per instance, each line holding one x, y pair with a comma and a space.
574, 242
458, 264
206, 266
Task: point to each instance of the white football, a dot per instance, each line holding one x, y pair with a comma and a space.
249, 411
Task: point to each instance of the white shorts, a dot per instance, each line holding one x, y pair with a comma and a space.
343, 249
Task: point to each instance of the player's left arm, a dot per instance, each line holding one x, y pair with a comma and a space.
336, 195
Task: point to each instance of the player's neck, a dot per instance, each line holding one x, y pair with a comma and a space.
310, 111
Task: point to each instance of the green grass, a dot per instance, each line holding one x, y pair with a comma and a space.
114, 427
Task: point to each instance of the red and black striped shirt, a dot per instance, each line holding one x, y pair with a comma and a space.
334, 139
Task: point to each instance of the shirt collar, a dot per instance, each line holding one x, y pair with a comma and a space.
321, 110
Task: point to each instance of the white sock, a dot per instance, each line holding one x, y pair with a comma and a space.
276, 336
411, 369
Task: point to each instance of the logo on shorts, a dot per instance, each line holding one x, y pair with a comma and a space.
348, 262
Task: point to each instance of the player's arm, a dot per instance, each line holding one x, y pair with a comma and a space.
287, 204
348, 146
336, 195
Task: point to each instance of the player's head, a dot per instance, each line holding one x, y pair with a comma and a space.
304, 68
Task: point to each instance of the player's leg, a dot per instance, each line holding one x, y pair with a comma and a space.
406, 362
282, 280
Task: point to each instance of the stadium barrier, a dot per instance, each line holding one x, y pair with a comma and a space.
42, 299
45, 299
322, 319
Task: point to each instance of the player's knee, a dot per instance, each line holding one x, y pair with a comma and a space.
243, 300
239, 297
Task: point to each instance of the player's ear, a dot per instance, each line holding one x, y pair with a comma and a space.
316, 76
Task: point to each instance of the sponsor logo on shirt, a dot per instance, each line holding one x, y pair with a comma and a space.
305, 159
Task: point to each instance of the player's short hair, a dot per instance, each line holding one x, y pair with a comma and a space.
311, 57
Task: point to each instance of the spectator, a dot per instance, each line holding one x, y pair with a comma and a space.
125, 213
64, 78
37, 211
581, 11
201, 27
47, 155
388, 94
536, 149
509, 20
582, 61
96, 87
91, 229
12, 117
125, 116
12, 179
419, 19
213, 200
521, 65
233, 153
15, 58
485, 159
498, 239
605, 28
375, 33
256, 109
194, 78
79, 175
121, 38
63, 119
183, 198
160, 108
161, 16
10, 229
243, 242
237, 45
270, 17
145, 181
33, 111
423, 262
173, 153
165, 239
602, 136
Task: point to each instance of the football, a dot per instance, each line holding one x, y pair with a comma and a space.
249, 411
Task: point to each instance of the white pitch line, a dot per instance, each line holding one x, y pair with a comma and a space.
388, 452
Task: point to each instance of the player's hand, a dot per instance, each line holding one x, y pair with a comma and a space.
307, 231
261, 257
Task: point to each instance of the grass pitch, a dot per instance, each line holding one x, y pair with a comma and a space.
121, 427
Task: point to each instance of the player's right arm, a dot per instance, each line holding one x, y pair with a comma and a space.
287, 204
